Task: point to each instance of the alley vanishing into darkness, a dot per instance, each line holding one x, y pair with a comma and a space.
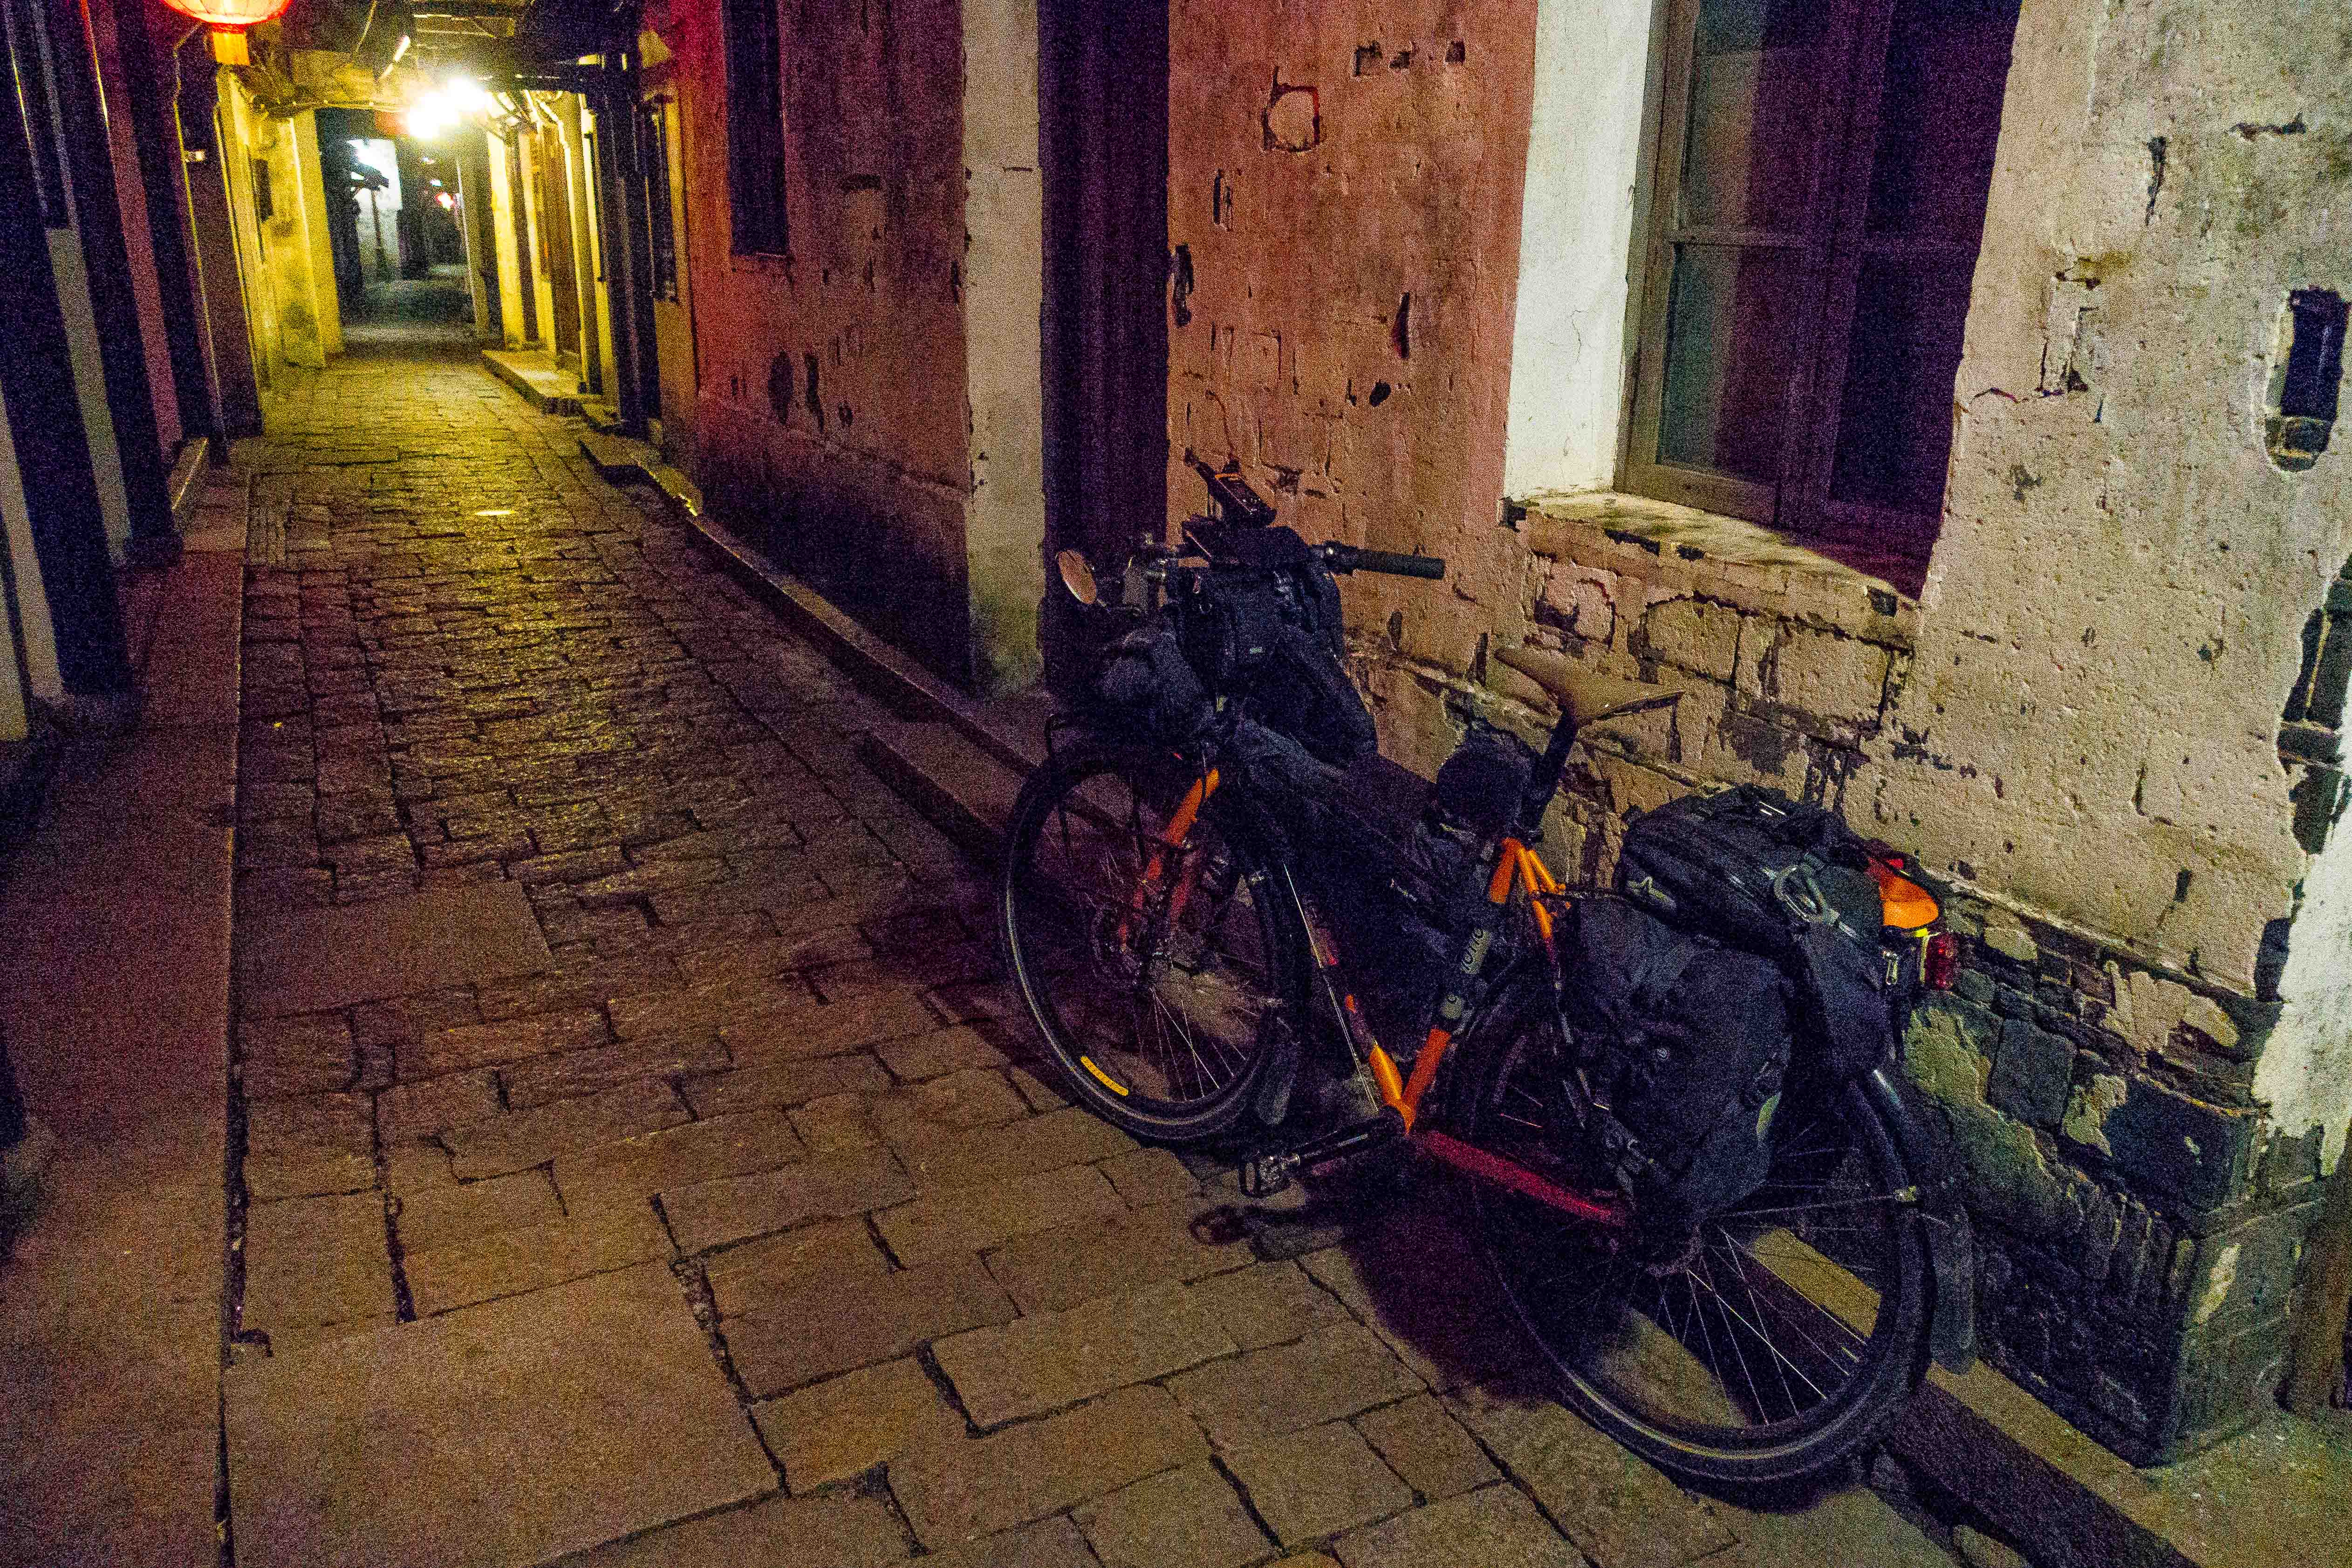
626, 1127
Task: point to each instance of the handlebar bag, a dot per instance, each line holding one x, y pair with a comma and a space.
1145, 687
1756, 869
1682, 1044
1263, 626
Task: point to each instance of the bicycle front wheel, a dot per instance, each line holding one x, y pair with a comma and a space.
1771, 1342
1156, 974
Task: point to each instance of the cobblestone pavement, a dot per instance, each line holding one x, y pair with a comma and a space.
964, 1320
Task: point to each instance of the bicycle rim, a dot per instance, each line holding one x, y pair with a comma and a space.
1156, 994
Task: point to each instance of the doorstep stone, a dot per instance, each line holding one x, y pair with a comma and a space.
319, 958
495, 1438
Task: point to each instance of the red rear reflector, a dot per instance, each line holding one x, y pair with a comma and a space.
1939, 961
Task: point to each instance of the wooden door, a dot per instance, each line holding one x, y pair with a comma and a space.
552, 193
1102, 85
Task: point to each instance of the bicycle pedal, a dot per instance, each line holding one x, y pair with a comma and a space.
1263, 1175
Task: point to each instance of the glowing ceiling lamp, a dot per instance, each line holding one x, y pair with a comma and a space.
445, 107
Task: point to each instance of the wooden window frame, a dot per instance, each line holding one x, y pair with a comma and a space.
1835, 244
752, 38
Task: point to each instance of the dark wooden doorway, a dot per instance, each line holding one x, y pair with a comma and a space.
1102, 90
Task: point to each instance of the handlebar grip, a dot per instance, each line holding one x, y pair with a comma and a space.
1396, 566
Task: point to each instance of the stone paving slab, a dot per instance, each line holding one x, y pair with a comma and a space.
532, 1257
1314, 1483
846, 1322
967, 1219
1331, 1372
1055, 1543
1048, 1360
960, 1490
321, 959
1188, 1518
1620, 1511
1494, 1527
505, 1434
781, 1533
832, 1431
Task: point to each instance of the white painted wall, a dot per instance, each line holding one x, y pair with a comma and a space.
2305, 1073
1005, 281
1576, 234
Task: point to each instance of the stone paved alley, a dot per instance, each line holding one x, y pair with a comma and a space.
680, 1196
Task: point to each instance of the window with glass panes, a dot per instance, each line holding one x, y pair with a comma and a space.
1820, 200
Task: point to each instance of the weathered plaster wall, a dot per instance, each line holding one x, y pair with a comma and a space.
833, 405
2077, 727
1344, 191
310, 187
2119, 721
282, 288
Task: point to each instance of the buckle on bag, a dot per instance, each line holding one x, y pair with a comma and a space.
1799, 893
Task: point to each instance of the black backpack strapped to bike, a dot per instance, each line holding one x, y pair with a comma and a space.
1760, 871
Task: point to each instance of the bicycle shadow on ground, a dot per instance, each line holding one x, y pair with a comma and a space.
1399, 1249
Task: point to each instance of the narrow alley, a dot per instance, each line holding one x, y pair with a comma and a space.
626, 1130
1174, 784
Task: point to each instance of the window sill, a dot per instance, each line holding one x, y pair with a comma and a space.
1681, 548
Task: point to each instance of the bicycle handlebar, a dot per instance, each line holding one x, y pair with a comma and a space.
1348, 558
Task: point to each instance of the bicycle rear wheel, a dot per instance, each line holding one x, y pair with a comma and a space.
1157, 977
1770, 1344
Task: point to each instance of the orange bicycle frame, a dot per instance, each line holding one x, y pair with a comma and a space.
1516, 865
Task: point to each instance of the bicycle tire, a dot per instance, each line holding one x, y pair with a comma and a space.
1600, 1346
1057, 934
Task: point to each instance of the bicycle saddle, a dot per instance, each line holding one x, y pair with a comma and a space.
1585, 696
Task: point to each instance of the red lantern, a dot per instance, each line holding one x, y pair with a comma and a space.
228, 19
230, 14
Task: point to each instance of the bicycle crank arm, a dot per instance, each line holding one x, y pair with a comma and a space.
1263, 1175
1494, 1168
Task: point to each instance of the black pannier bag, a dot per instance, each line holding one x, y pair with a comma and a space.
1763, 872
1404, 873
1683, 1043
